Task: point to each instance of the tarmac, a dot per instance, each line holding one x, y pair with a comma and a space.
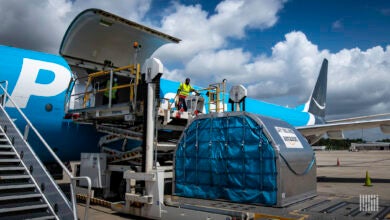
349, 177
339, 174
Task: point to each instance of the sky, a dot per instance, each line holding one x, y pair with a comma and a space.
273, 47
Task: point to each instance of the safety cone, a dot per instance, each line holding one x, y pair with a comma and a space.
368, 180
338, 162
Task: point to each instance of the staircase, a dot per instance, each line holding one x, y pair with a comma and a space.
20, 196
27, 190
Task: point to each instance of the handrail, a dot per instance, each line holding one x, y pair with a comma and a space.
105, 72
25, 167
88, 93
68, 93
218, 91
72, 178
134, 70
3, 100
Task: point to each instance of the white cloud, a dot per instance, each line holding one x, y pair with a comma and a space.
233, 17
130, 9
174, 74
37, 25
358, 81
215, 66
201, 31
190, 24
337, 25
290, 70
40, 25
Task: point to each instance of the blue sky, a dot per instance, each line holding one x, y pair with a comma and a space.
336, 25
332, 25
273, 47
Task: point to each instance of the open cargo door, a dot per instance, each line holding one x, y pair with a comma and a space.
96, 36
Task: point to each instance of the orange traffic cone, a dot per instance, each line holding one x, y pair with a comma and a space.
338, 162
368, 180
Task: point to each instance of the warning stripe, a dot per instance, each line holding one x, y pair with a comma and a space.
266, 216
94, 201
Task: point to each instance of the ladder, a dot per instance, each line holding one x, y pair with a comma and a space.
27, 190
20, 196
216, 96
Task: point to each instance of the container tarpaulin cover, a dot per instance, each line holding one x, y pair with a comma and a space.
245, 158
227, 158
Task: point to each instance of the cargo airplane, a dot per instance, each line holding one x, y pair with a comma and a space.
38, 83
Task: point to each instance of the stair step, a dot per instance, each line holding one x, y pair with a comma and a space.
19, 196
9, 160
5, 146
9, 168
26, 206
43, 218
17, 186
31, 216
14, 177
5, 153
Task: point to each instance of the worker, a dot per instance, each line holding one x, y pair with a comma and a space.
183, 91
106, 95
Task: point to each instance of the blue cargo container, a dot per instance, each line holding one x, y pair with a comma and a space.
245, 158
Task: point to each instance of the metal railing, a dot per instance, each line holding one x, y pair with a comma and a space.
134, 74
3, 97
216, 96
6, 98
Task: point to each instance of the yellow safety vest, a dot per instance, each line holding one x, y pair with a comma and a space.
184, 89
107, 92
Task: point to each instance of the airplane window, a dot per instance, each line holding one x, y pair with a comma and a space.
48, 107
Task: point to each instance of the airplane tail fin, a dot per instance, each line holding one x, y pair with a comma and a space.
317, 102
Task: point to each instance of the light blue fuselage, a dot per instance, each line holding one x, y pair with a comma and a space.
295, 117
66, 138
38, 83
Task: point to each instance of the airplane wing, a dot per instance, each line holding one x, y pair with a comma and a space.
359, 118
334, 129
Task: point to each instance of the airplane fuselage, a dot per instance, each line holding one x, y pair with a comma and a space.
38, 82
295, 117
